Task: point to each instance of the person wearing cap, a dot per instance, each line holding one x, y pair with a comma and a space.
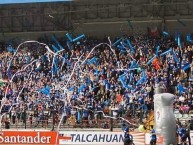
128, 138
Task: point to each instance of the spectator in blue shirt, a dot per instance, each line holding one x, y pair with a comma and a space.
128, 138
153, 136
182, 133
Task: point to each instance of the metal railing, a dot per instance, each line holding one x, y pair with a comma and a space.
70, 123
51, 121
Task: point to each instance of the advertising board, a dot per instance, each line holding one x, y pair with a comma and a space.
72, 138
29, 137
98, 138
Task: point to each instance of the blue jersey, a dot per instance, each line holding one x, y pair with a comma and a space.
153, 136
128, 136
181, 132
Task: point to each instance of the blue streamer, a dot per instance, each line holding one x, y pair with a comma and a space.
157, 50
107, 86
179, 41
121, 47
71, 89
9, 71
144, 73
149, 62
187, 66
133, 65
175, 57
78, 117
93, 60
104, 82
141, 81
11, 49
129, 87
116, 42
124, 44
57, 42
55, 68
69, 37
123, 51
166, 52
188, 38
176, 37
131, 77
78, 38
122, 79
181, 89
165, 33
123, 75
81, 88
45, 90
55, 48
68, 45
130, 46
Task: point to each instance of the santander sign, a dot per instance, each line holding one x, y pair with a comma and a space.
27, 137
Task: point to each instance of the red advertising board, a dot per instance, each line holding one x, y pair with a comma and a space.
29, 137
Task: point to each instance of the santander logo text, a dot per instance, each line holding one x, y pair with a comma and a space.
34, 138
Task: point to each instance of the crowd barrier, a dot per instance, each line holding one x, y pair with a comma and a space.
8, 137
70, 123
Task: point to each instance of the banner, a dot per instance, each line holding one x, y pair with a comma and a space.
29, 137
73, 138
24, 137
98, 138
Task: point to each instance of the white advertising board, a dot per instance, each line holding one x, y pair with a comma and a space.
98, 138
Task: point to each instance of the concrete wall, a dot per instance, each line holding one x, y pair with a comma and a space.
113, 29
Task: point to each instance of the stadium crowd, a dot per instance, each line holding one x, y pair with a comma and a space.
86, 83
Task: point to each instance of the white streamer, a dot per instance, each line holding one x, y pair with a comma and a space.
106, 116
49, 51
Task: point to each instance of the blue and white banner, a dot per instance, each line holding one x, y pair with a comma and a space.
98, 138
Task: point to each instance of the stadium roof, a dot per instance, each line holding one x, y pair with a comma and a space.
30, 1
